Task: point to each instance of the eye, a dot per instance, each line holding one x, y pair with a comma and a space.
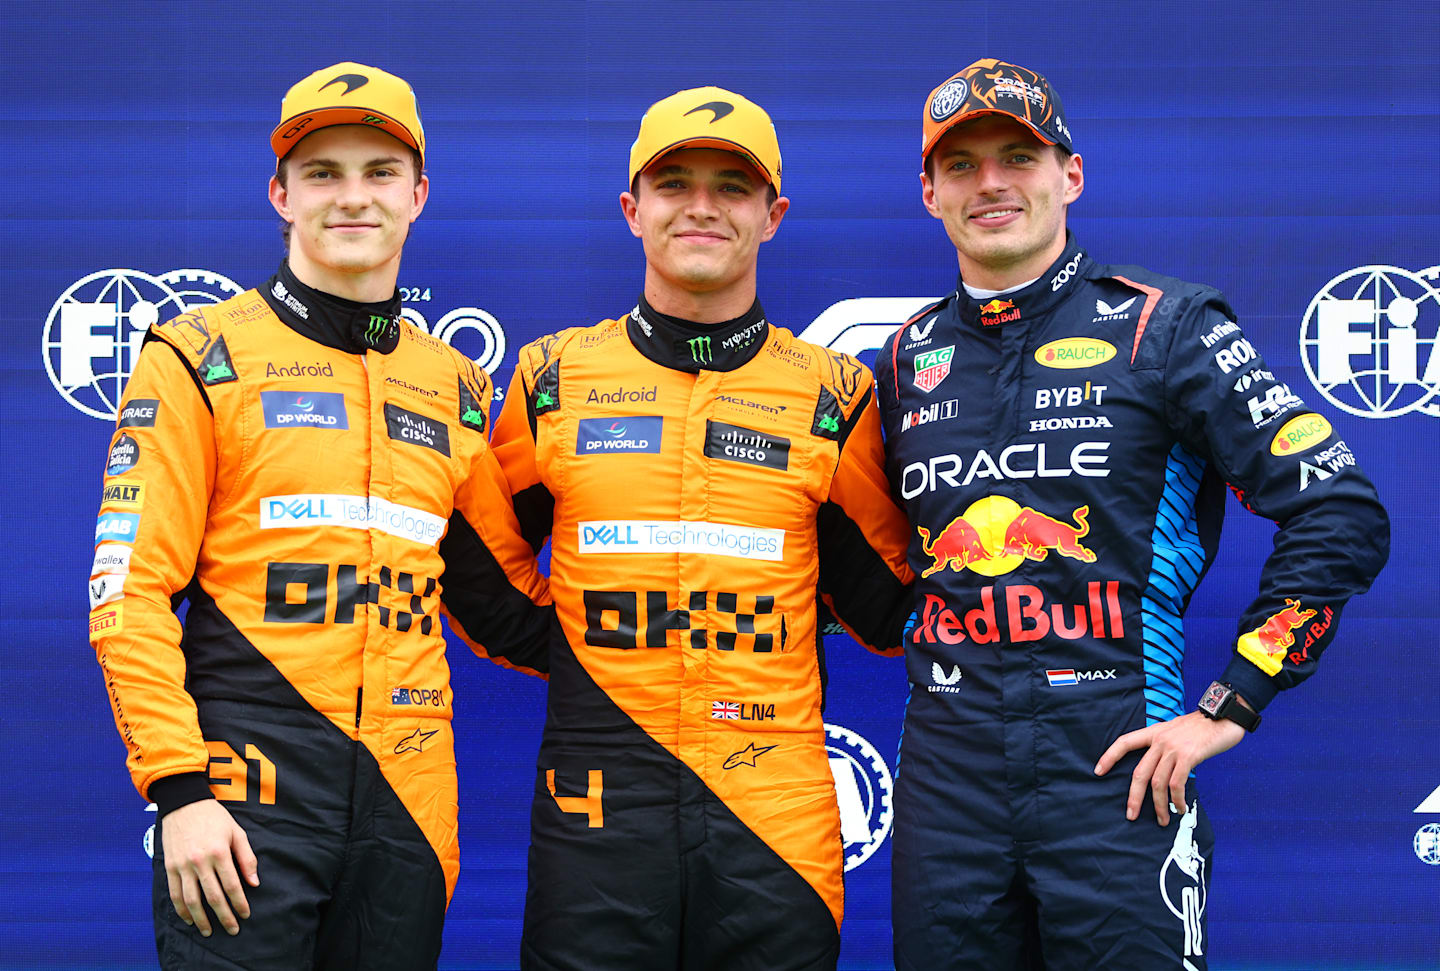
1022, 158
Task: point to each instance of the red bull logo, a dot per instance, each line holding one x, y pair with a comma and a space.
995, 535
1266, 645
1028, 616
998, 311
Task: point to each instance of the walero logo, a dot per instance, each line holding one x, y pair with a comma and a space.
93, 333
706, 539
636, 433
864, 789
304, 409
700, 351
351, 512
1070, 353
932, 367
1369, 341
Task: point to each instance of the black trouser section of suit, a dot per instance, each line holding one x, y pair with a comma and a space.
347, 880
672, 880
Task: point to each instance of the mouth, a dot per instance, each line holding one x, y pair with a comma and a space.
351, 229
700, 238
995, 216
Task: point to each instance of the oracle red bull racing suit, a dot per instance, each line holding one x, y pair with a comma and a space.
1063, 451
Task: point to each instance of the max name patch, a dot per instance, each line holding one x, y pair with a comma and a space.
407, 426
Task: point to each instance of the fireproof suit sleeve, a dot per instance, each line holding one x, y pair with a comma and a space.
136, 636
492, 590
514, 444
864, 577
1286, 463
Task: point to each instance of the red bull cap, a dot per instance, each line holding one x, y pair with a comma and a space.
993, 87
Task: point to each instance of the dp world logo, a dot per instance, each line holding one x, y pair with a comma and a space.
1368, 341
863, 788
93, 334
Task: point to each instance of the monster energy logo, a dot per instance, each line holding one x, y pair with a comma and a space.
829, 424
376, 330
700, 350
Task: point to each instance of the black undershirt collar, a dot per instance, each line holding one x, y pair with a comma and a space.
684, 345
345, 325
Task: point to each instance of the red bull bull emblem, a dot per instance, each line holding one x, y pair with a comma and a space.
1266, 645
998, 312
996, 534
932, 367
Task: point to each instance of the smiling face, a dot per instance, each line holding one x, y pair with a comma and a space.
701, 215
1001, 193
350, 195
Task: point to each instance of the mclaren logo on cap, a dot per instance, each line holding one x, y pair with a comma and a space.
948, 99
720, 108
352, 81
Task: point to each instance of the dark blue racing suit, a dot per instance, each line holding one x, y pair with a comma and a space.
1063, 452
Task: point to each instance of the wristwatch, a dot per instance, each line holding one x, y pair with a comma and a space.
1221, 701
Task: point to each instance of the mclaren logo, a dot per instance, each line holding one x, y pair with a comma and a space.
719, 108
352, 81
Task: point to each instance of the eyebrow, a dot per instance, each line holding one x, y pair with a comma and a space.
332, 164
1011, 147
737, 175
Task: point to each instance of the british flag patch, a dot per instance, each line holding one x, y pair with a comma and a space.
725, 710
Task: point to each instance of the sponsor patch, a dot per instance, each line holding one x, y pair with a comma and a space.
217, 368
1300, 433
932, 367
939, 411
124, 456
706, 539
407, 426
633, 433
735, 443
111, 558
301, 369
128, 495
118, 527
107, 621
472, 412
351, 512
1070, 353
138, 413
105, 588
304, 409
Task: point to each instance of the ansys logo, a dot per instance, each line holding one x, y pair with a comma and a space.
1368, 341
93, 334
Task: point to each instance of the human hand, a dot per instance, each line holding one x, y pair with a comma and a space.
202, 844
1175, 747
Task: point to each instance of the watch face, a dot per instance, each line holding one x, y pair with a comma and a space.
1213, 697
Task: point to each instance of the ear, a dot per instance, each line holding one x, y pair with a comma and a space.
1074, 178
629, 205
927, 196
422, 193
778, 208
280, 199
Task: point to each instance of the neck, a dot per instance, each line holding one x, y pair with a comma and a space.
989, 276
700, 307
366, 286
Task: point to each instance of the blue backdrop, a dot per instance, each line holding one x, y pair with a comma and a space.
1287, 155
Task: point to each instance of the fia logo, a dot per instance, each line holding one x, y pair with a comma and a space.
1368, 341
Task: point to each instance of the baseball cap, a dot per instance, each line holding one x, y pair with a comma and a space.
708, 118
349, 94
992, 87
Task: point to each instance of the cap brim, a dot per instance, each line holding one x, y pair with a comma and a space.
336, 115
963, 117
724, 145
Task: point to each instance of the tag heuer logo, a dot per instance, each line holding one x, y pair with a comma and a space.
932, 367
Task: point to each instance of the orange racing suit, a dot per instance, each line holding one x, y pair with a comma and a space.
703, 488
288, 462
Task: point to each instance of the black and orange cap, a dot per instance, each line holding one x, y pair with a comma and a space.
993, 87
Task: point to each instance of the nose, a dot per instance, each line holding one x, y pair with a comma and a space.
991, 176
354, 194
702, 203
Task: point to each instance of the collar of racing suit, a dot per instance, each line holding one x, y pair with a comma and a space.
330, 320
687, 346
1026, 304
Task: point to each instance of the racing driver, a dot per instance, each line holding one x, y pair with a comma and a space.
704, 478
287, 462
1063, 432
